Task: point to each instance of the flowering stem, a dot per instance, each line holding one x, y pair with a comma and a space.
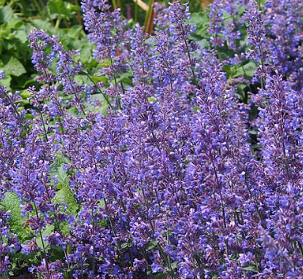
41, 237
285, 159
93, 233
76, 97
219, 186
189, 56
99, 90
255, 200
42, 120
14, 107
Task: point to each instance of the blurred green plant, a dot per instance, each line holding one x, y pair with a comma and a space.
63, 19
17, 19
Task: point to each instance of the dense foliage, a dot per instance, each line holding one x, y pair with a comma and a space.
179, 157
18, 18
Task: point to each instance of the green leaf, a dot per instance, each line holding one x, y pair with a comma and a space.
6, 13
6, 81
65, 194
24, 94
126, 245
174, 265
151, 244
248, 70
75, 31
4, 31
204, 43
201, 21
97, 79
11, 203
103, 104
56, 170
86, 53
46, 26
14, 67
21, 35
29, 116
14, 23
83, 79
253, 132
250, 268
126, 78
59, 9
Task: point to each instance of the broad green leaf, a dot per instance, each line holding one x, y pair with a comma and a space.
204, 43
201, 21
29, 116
56, 170
59, 9
105, 63
97, 79
83, 79
14, 67
24, 94
6, 13
4, 30
11, 203
46, 26
241, 90
253, 132
21, 35
75, 31
65, 194
14, 23
86, 53
248, 70
6, 81
73, 111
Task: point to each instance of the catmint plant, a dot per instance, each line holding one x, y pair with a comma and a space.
165, 183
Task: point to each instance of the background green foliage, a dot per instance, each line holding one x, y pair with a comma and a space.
56, 17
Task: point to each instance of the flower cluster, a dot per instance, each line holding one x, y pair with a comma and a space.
164, 183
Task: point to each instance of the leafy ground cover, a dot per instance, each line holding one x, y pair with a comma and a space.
175, 153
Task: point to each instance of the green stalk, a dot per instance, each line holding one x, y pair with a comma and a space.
58, 23
148, 16
78, 13
114, 4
